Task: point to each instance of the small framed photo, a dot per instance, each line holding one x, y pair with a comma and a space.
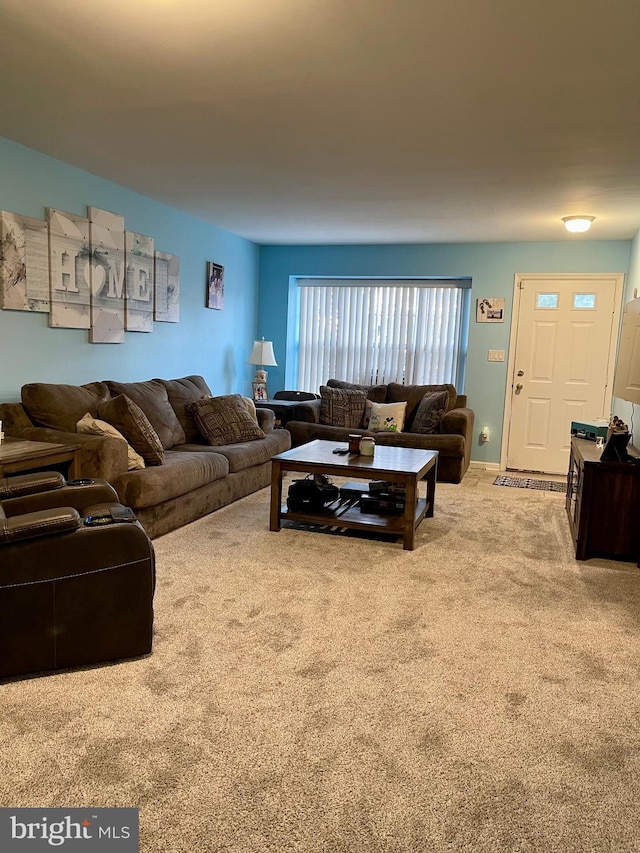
260, 391
215, 286
490, 310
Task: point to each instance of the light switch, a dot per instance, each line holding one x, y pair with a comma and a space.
496, 355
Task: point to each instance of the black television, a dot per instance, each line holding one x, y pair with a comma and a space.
626, 381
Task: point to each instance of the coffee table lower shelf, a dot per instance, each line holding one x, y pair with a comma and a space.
347, 514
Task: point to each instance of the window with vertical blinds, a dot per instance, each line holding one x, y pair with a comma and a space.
373, 332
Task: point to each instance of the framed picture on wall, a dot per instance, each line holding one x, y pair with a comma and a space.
215, 286
260, 391
490, 310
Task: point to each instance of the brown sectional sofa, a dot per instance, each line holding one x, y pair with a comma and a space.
452, 440
194, 478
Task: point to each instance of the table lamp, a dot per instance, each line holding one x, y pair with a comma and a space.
262, 353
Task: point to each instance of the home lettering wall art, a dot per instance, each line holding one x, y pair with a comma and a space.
87, 273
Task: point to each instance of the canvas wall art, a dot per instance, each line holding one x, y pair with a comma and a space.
88, 273
69, 274
139, 251
107, 271
167, 290
24, 263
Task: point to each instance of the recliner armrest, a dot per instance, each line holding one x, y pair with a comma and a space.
30, 484
75, 494
33, 524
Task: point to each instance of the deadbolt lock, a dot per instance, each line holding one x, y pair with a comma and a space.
521, 373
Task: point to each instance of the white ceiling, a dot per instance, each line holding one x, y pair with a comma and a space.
341, 121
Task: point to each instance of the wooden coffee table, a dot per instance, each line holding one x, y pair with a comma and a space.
397, 464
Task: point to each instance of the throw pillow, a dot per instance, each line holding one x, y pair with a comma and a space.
430, 411
413, 394
387, 417
342, 407
129, 419
224, 420
92, 426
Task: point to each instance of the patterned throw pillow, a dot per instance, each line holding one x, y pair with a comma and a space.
224, 420
430, 411
129, 419
342, 407
387, 417
92, 426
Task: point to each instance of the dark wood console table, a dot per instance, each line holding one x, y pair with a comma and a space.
603, 504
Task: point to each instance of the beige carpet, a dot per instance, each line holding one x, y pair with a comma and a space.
313, 692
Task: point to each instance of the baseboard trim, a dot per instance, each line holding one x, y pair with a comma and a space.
487, 466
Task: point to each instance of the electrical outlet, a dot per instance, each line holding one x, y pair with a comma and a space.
495, 355
484, 434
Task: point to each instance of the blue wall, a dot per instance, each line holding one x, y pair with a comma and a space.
492, 268
215, 344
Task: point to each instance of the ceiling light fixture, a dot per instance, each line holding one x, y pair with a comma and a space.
577, 224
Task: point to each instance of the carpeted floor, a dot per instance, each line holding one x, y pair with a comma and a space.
325, 694
530, 483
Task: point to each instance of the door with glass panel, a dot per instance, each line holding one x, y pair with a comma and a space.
562, 369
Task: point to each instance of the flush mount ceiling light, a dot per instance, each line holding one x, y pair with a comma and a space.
577, 224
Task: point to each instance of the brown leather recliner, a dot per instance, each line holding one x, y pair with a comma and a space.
76, 580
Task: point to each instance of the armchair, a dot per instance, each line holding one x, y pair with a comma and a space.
76, 584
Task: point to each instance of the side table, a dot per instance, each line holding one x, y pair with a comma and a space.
282, 409
18, 456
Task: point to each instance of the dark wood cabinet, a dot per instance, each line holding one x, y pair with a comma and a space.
603, 504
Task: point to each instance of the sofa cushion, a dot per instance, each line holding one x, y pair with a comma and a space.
342, 407
129, 419
181, 474
93, 426
430, 412
377, 393
248, 454
152, 398
62, 406
413, 394
386, 417
183, 391
224, 420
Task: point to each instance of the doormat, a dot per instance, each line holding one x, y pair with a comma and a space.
529, 483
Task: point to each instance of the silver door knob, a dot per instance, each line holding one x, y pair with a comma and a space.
519, 386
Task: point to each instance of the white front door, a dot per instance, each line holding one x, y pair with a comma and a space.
562, 365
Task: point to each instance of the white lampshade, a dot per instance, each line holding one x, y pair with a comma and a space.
577, 224
262, 353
